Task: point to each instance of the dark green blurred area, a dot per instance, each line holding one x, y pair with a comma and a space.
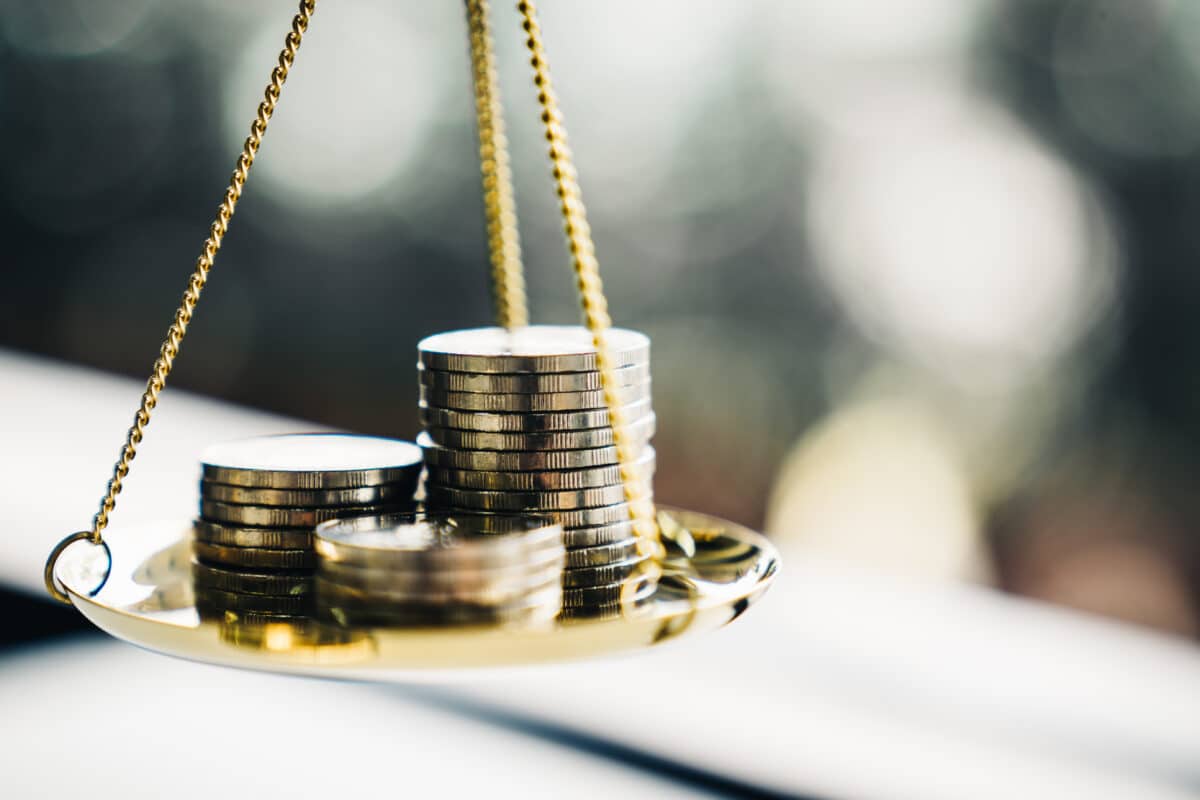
808, 207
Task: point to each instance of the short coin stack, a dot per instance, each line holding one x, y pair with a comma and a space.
429, 570
260, 500
516, 422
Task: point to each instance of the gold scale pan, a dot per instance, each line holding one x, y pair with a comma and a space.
711, 570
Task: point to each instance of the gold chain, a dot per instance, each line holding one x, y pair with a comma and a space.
504, 244
183, 316
587, 273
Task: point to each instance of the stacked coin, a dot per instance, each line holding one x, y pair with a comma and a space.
260, 500
516, 422
428, 569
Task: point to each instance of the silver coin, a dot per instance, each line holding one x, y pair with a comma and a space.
518, 461
431, 541
638, 431
261, 538
580, 517
582, 577
631, 590
240, 581
604, 554
312, 498
495, 595
596, 535
434, 417
520, 576
529, 383
530, 403
539, 481
538, 608
272, 517
524, 501
536, 348
310, 461
253, 557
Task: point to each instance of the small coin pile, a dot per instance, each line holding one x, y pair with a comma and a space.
260, 500
516, 422
429, 570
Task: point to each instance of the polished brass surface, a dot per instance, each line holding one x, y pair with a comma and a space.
149, 600
500, 210
183, 316
587, 274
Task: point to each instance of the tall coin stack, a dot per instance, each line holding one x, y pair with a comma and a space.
260, 500
432, 569
516, 422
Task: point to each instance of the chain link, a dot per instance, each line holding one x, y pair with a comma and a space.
183, 316
504, 244
587, 272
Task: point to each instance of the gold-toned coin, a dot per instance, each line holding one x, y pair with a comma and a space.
638, 432
638, 587
604, 554
596, 535
518, 461
241, 581
234, 601
434, 417
311, 461
581, 577
254, 557
575, 518
432, 541
534, 348
605, 611
312, 498
524, 501
262, 538
270, 517
530, 403
562, 480
238, 617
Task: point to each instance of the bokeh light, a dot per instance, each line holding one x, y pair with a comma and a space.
968, 248
353, 117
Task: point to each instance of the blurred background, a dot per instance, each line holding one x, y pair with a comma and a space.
920, 275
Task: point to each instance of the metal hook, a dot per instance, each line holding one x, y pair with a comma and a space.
52, 585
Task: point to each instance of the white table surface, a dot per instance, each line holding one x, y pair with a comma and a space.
841, 683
